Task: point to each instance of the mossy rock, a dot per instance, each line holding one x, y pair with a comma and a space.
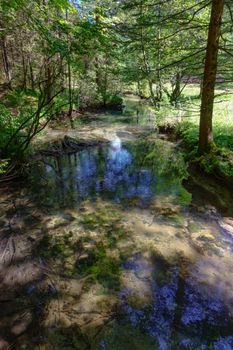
67, 338
206, 237
194, 227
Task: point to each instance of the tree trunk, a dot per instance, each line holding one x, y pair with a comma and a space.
32, 82
176, 90
159, 81
70, 112
207, 102
62, 70
152, 95
49, 79
24, 66
146, 62
139, 91
6, 63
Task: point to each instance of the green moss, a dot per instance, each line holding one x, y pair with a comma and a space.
67, 338
220, 157
98, 262
60, 249
106, 222
93, 254
101, 267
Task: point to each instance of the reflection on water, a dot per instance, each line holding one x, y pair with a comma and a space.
117, 172
104, 249
178, 315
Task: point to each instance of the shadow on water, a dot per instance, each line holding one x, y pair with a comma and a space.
105, 249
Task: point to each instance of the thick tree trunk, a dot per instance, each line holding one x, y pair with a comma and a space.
207, 103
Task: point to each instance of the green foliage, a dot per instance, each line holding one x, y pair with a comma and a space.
220, 157
114, 100
208, 162
67, 338
94, 50
104, 268
3, 165
9, 123
22, 116
163, 159
79, 255
189, 133
56, 247
217, 161
101, 267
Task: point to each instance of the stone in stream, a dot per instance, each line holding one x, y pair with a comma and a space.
206, 237
224, 344
4, 345
21, 325
125, 134
226, 224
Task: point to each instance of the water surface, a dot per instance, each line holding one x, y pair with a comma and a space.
106, 249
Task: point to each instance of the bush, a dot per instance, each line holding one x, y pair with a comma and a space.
114, 100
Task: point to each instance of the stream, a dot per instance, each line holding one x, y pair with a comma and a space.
113, 247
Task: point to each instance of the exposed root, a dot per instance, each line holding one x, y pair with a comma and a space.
8, 252
68, 146
13, 172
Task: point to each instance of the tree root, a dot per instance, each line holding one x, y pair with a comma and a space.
13, 172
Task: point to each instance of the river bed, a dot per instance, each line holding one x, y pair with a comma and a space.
104, 248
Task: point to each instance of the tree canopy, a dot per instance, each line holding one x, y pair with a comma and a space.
73, 55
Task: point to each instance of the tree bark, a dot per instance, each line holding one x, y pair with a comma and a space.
24, 66
159, 91
32, 81
210, 72
146, 62
49, 79
176, 90
70, 112
6, 63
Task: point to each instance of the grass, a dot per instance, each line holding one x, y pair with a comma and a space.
187, 126
222, 118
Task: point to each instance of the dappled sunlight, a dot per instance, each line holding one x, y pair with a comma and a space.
214, 278
105, 248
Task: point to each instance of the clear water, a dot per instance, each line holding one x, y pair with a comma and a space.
106, 249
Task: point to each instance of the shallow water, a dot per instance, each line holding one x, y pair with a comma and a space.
106, 249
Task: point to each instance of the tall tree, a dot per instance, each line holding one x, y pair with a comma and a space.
210, 72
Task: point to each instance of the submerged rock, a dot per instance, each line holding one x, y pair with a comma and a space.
206, 237
4, 345
224, 344
227, 225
